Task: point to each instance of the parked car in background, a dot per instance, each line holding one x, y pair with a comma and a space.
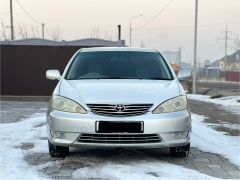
118, 97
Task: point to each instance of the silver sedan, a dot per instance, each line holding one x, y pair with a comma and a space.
118, 97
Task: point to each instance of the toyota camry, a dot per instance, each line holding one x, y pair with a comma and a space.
113, 97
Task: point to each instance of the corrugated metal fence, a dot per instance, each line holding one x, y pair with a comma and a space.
23, 68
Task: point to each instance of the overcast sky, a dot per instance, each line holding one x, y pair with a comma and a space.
172, 29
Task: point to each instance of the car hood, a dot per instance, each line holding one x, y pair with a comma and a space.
119, 91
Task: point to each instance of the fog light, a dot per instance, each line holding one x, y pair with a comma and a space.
57, 134
180, 135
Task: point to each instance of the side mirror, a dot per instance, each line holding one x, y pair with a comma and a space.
53, 74
184, 74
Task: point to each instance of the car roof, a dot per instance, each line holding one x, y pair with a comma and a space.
97, 49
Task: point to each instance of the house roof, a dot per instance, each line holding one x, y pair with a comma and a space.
235, 57
79, 42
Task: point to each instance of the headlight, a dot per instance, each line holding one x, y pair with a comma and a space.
175, 104
64, 104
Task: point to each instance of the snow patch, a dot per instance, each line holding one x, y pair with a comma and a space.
142, 170
209, 140
12, 163
230, 103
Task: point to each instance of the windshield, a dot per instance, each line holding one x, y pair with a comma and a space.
119, 65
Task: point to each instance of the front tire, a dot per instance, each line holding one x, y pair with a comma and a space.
181, 151
57, 151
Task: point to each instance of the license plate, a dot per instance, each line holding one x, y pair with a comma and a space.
119, 127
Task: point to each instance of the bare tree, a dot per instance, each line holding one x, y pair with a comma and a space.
3, 32
104, 34
96, 33
55, 34
38, 32
110, 36
35, 32
23, 31
142, 44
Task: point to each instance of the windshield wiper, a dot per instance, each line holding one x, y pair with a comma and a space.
161, 78
118, 78
97, 78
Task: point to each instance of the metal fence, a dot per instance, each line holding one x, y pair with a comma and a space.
23, 68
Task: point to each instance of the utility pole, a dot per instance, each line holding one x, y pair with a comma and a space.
226, 41
130, 35
130, 29
194, 75
43, 30
119, 32
11, 20
226, 38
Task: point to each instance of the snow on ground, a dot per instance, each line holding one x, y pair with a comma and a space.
143, 170
230, 103
12, 163
209, 140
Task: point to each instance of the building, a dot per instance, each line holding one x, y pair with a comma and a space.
222, 69
231, 63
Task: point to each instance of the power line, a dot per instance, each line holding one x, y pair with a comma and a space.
190, 26
27, 13
158, 14
185, 26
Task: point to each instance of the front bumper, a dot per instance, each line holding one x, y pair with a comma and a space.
173, 129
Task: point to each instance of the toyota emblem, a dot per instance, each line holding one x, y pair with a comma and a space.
119, 108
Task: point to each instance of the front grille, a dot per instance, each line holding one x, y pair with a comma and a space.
120, 109
119, 138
